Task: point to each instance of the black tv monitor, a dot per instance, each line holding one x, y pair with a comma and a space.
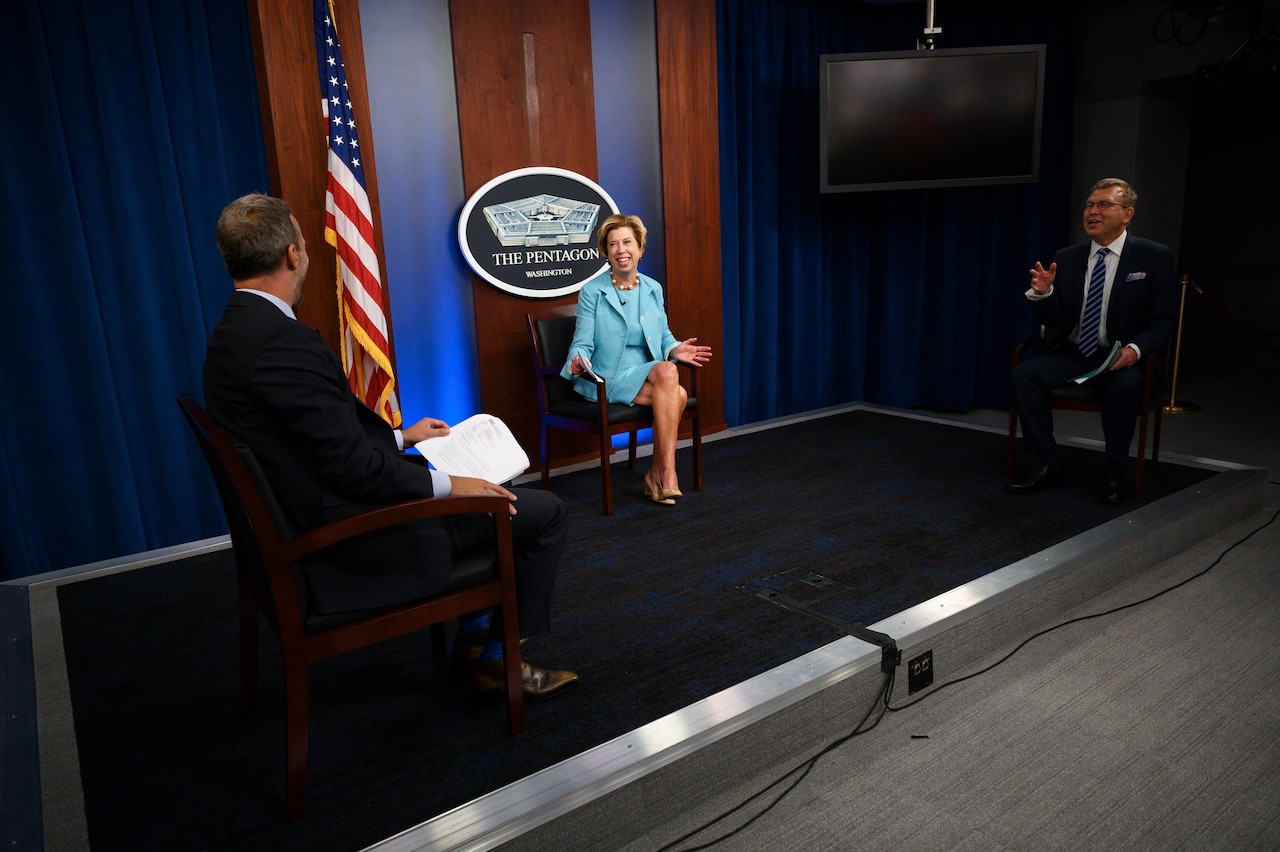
931, 118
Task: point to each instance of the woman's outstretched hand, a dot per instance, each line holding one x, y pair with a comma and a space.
690, 353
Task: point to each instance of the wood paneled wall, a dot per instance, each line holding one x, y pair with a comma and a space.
687, 105
525, 98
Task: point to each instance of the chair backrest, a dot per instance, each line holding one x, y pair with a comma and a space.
551, 332
254, 518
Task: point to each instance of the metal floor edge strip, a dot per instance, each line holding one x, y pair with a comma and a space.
731, 710
530, 802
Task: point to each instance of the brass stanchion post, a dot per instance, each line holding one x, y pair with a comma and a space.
1173, 406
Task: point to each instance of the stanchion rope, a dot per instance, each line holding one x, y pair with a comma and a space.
1235, 323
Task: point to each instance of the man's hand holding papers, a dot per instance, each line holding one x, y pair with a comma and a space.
481, 447
1112, 357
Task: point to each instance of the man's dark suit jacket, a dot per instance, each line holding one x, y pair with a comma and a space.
274, 384
1143, 302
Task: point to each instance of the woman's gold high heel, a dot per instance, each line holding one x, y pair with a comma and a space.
656, 494
667, 493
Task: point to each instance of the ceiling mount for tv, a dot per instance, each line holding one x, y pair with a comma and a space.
926, 39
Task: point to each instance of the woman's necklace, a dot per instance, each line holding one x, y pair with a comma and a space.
630, 286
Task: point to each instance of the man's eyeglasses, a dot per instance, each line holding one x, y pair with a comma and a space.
1103, 206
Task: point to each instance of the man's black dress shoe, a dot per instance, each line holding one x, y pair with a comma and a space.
1111, 490
1037, 480
489, 680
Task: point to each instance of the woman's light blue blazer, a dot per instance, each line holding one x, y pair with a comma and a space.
600, 333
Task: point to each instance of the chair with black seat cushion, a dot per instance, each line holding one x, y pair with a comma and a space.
1084, 397
271, 582
561, 407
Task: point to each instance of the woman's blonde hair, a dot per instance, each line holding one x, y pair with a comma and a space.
617, 220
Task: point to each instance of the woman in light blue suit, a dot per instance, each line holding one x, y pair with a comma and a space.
622, 334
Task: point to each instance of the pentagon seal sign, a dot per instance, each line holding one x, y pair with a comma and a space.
532, 232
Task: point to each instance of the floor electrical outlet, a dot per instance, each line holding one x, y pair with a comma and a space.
920, 673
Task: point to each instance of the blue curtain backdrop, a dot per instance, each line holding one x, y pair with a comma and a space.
132, 123
908, 298
136, 120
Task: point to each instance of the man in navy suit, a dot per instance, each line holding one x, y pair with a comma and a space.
1136, 293
274, 384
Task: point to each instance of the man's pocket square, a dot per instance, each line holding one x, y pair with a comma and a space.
1135, 276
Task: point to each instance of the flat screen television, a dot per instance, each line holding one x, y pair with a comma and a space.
931, 118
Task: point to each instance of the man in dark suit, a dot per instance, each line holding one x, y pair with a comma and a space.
1133, 304
273, 383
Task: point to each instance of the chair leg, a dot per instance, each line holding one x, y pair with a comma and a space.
1155, 444
1011, 453
546, 468
511, 665
631, 450
606, 487
697, 453
1142, 452
296, 688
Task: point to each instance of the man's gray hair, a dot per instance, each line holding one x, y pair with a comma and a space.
1128, 197
254, 232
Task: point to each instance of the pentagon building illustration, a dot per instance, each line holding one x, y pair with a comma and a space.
542, 220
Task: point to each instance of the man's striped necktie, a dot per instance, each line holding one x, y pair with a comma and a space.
1093, 305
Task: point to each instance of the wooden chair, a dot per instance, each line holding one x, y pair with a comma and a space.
550, 333
1085, 398
271, 582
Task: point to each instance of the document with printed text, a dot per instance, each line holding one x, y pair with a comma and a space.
481, 446
1112, 357
586, 368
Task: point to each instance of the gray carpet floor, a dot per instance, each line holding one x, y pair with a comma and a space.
1153, 728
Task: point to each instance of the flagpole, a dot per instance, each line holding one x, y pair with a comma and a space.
1173, 406
362, 318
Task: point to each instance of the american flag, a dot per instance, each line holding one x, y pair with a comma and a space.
348, 227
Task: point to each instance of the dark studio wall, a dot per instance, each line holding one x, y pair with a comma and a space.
1183, 98
1179, 97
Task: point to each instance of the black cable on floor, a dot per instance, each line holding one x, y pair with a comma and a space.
1049, 630
886, 692
881, 702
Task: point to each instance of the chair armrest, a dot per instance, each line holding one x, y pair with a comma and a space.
554, 370
1149, 361
372, 520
